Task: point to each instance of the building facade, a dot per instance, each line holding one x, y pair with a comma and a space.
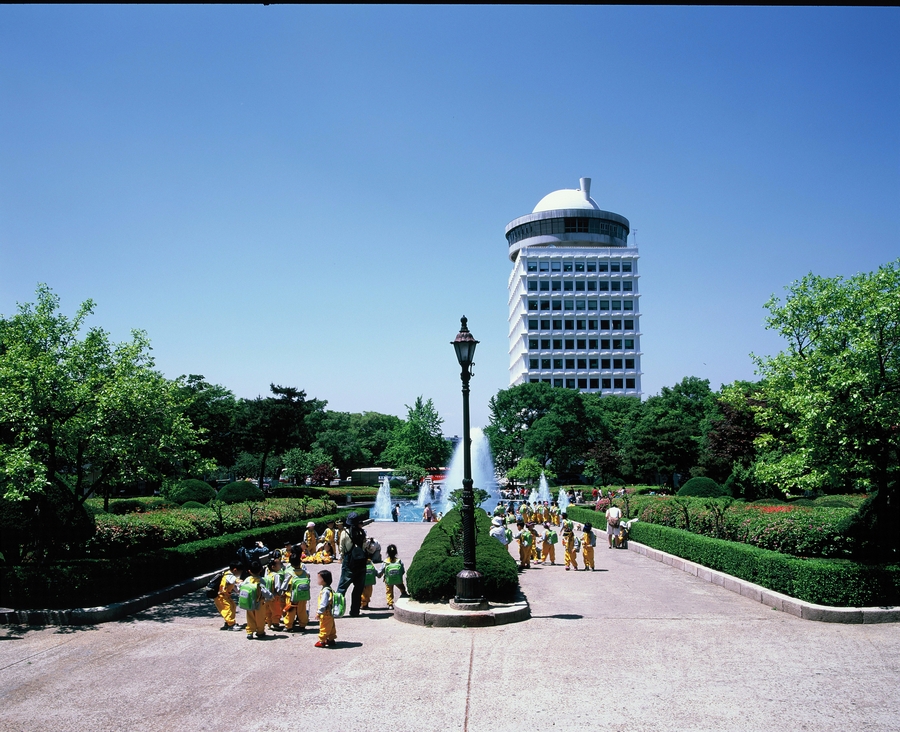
574, 302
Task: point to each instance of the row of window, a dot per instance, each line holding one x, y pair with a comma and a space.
582, 363
566, 225
536, 265
573, 305
589, 383
581, 344
614, 324
580, 285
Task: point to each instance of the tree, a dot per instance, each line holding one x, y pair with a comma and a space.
418, 441
301, 464
527, 472
83, 414
213, 411
835, 391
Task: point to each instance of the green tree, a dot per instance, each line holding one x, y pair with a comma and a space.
527, 472
418, 441
301, 464
213, 411
830, 412
81, 413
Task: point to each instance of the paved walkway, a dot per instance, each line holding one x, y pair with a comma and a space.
637, 646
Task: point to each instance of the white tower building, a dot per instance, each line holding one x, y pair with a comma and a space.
574, 307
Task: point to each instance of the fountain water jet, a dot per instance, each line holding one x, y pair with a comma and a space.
563, 500
383, 501
483, 475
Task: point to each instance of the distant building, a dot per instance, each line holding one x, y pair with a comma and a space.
574, 306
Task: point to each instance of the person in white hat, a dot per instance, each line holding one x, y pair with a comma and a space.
498, 530
310, 536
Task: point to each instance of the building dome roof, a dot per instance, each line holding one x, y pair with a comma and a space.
567, 198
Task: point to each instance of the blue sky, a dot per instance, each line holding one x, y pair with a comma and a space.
312, 196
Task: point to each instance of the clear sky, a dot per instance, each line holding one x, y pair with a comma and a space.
313, 196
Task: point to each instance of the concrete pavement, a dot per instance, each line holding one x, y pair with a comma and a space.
636, 646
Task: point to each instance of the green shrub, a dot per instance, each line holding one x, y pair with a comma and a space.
92, 582
122, 506
821, 581
432, 573
768, 502
238, 492
299, 491
832, 503
192, 490
702, 487
192, 504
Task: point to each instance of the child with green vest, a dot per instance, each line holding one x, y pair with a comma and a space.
224, 601
296, 596
250, 599
369, 586
273, 582
325, 611
588, 542
524, 537
568, 537
393, 575
551, 538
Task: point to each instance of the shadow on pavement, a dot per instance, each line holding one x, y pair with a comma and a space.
346, 644
193, 605
561, 616
18, 632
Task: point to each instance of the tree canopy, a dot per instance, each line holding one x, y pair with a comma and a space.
419, 440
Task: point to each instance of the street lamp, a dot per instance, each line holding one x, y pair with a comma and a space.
468, 582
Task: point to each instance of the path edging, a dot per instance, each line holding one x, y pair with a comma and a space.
441, 615
104, 613
775, 600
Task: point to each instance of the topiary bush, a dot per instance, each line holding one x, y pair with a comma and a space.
432, 573
702, 487
193, 490
192, 504
298, 491
238, 492
122, 506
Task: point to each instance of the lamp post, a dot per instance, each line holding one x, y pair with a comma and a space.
468, 582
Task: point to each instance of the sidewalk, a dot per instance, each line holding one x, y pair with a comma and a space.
637, 646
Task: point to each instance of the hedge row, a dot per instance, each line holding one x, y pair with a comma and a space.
834, 582
92, 582
432, 573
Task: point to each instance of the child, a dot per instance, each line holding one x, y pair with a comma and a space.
296, 597
310, 536
588, 542
286, 553
568, 536
325, 613
251, 601
225, 603
535, 553
554, 513
393, 576
549, 545
524, 538
273, 608
369, 586
329, 538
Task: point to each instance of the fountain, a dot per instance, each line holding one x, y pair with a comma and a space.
483, 475
543, 489
425, 493
563, 500
382, 510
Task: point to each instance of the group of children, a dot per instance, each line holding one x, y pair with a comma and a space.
540, 547
275, 591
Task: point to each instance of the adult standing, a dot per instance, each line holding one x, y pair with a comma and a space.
613, 519
353, 561
395, 512
498, 530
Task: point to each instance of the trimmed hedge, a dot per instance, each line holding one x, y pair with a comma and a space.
122, 506
192, 490
298, 491
834, 582
238, 492
701, 487
92, 582
432, 573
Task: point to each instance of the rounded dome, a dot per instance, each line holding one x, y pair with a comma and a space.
568, 198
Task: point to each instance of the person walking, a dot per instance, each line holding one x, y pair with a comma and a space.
353, 562
613, 519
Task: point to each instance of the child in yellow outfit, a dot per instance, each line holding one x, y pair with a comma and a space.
274, 583
250, 600
393, 576
329, 538
325, 611
549, 544
296, 597
525, 539
224, 601
310, 537
368, 588
535, 553
588, 542
568, 537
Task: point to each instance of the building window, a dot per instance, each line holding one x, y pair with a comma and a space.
591, 266
604, 344
607, 383
532, 304
627, 286
545, 325
626, 266
629, 383
617, 363
570, 344
532, 266
629, 343
535, 381
579, 304
604, 363
629, 325
629, 363
557, 363
570, 363
592, 305
557, 343
545, 363
592, 363
545, 304
604, 305
604, 325
545, 266
570, 325
533, 363
557, 304
533, 285
615, 286
582, 383
595, 383
592, 286
603, 267
545, 286
579, 286
554, 286
579, 324
592, 325
616, 305
617, 325
545, 344
533, 344
604, 286
532, 325
567, 266
554, 266
557, 382
582, 363
570, 383
545, 381
567, 286
617, 344
581, 344
617, 383
579, 266
557, 325
629, 305
613, 266
570, 304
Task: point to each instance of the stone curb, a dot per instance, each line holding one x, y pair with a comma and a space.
775, 600
441, 615
104, 613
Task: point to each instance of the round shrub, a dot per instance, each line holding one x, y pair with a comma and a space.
192, 504
298, 491
238, 492
768, 502
702, 487
832, 503
192, 490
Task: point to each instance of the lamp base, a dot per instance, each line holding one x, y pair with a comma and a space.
468, 592
469, 605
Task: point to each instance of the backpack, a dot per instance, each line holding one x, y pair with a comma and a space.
299, 588
215, 582
526, 537
370, 575
248, 597
577, 543
338, 604
393, 573
552, 537
593, 538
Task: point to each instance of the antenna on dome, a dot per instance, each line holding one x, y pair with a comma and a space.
585, 188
